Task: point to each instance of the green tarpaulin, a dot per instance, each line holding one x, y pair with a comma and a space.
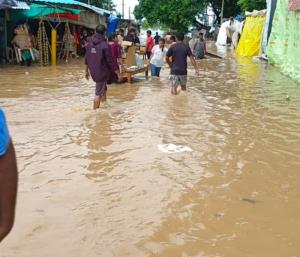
40, 10
284, 44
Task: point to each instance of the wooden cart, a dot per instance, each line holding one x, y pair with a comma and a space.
129, 62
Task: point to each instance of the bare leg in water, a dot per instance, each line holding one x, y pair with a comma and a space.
97, 101
103, 98
8, 190
174, 90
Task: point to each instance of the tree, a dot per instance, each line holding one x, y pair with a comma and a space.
231, 8
175, 14
250, 5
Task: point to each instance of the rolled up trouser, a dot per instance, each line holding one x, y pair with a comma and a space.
101, 88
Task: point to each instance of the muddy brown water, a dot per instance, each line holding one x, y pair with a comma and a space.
96, 184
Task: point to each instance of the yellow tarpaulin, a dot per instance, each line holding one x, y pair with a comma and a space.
249, 44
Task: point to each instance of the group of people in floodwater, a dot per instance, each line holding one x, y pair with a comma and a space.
103, 57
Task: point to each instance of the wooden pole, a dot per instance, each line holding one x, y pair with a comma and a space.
53, 46
222, 11
5, 27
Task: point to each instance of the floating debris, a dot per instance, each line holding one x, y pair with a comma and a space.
248, 200
171, 148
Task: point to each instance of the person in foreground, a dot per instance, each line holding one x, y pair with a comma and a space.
176, 57
99, 64
8, 179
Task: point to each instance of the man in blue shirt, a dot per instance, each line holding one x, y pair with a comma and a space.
8, 179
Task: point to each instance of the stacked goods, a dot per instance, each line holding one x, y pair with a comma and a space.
43, 44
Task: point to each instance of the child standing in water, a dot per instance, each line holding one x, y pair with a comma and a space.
158, 57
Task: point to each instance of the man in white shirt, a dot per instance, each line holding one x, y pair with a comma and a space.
158, 57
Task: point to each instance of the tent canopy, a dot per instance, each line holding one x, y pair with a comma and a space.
21, 6
41, 10
75, 3
7, 4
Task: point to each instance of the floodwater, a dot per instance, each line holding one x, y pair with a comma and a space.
96, 184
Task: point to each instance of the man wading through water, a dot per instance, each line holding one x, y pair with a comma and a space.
99, 64
177, 60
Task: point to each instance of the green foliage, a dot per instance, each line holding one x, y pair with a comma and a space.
231, 7
250, 5
145, 24
175, 14
180, 14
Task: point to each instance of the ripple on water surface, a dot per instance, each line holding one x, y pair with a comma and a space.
96, 183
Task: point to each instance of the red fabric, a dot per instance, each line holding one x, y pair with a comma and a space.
150, 44
294, 5
76, 38
68, 16
116, 52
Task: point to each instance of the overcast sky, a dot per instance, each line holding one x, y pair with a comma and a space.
127, 4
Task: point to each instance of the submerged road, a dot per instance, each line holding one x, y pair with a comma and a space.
97, 184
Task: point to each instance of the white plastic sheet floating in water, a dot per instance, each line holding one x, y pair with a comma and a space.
171, 148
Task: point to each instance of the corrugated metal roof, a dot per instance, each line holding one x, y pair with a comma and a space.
74, 2
95, 9
21, 6
4, 4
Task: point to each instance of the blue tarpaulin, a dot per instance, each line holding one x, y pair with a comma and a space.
112, 23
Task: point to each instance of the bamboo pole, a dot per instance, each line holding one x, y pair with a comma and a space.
53, 46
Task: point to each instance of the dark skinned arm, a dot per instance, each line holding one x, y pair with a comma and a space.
8, 190
87, 72
193, 61
169, 56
